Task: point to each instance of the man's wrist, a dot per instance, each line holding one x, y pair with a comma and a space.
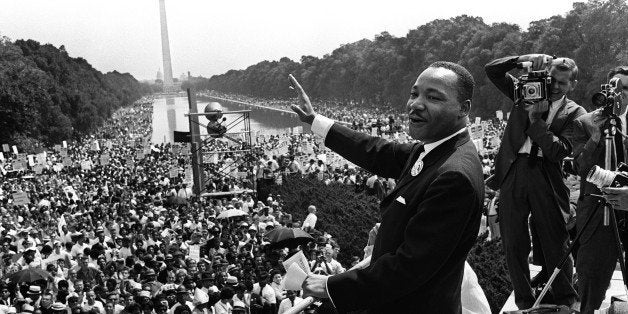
310, 119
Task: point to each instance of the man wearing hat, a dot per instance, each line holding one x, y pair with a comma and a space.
207, 283
150, 280
58, 308
33, 293
183, 297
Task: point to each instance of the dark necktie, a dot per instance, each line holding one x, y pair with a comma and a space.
534, 150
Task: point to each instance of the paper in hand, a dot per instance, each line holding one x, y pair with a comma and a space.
300, 260
294, 277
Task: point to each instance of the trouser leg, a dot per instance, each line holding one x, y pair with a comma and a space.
597, 257
513, 225
552, 234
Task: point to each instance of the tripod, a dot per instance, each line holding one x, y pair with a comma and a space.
610, 130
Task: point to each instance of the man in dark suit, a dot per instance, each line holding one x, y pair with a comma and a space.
430, 219
597, 254
528, 174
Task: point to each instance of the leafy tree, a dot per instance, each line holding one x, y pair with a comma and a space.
381, 71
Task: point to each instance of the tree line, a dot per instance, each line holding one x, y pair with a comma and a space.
381, 71
47, 97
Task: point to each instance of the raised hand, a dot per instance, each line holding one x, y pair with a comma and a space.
304, 109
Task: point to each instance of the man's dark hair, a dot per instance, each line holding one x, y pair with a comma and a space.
622, 69
465, 79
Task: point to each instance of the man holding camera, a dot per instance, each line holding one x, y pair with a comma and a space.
597, 254
528, 172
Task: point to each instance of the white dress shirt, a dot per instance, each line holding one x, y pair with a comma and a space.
527, 145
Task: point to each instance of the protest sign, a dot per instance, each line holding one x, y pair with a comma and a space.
5, 148
20, 198
38, 169
174, 172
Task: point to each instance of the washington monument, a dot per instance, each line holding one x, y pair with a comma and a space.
165, 48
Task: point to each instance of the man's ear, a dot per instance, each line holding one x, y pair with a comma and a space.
573, 85
465, 108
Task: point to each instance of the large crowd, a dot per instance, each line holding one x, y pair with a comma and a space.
113, 222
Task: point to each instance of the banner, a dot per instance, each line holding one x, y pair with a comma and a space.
18, 165
20, 198
86, 165
129, 162
41, 158
38, 169
95, 147
173, 173
104, 159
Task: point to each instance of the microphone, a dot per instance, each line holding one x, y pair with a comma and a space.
300, 306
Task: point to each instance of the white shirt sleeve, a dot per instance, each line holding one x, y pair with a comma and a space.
321, 125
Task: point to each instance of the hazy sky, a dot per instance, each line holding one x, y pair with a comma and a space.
211, 37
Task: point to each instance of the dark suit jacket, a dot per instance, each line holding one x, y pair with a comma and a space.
554, 140
587, 154
429, 223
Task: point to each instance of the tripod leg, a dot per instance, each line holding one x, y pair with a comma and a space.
620, 252
566, 255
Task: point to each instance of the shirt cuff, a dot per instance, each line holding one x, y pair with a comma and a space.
321, 125
329, 294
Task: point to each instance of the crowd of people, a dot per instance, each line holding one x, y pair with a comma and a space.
112, 221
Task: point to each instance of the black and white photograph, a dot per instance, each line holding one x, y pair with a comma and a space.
292, 157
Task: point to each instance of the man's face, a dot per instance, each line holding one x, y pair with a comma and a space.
46, 300
433, 107
78, 286
561, 83
624, 83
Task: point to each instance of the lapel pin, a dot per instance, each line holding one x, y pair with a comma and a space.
416, 169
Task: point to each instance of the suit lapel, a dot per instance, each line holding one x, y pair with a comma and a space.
432, 157
558, 123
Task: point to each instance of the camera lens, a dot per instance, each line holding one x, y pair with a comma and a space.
598, 99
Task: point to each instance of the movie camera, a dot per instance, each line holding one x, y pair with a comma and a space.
609, 98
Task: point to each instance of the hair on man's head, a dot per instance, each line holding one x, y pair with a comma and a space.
465, 79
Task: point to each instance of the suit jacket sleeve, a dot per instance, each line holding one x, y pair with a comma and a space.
497, 72
376, 155
554, 147
431, 236
586, 152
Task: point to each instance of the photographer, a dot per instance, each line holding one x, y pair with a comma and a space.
597, 255
528, 173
